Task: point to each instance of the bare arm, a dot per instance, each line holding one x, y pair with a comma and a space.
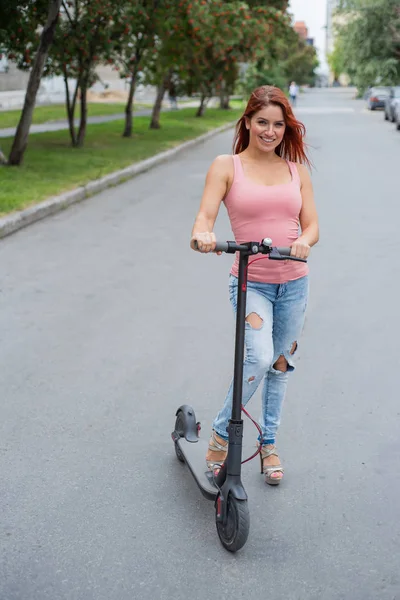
308, 217
215, 189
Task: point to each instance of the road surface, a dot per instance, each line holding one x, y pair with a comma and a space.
108, 322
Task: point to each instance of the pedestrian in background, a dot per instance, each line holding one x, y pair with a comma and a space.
293, 92
172, 96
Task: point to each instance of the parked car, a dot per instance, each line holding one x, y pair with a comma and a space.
394, 95
377, 97
396, 111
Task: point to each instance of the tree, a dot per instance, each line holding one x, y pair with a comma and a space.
85, 39
301, 65
24, 19
224, 34
336, 60
286, 57
135, 40
369, 36
170, 62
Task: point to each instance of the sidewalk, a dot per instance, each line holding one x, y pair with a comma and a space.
62, 125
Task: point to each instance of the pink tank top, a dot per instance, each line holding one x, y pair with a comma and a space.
259, 211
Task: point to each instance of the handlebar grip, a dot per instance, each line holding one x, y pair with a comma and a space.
221, 247
285, 251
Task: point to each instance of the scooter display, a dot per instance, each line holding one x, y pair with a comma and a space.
225, 486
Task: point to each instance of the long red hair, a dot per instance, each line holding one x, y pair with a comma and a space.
292, 147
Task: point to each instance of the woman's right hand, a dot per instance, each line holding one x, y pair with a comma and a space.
205, 242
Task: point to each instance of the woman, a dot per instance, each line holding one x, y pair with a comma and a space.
267, 191
293, 91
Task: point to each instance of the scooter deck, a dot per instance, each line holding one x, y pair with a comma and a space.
194, 454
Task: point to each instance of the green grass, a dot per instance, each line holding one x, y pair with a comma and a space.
239, 104
52, 166
57, 112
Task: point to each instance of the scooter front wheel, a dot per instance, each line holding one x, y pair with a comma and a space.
234, 533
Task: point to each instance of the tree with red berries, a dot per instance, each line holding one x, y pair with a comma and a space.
222, 35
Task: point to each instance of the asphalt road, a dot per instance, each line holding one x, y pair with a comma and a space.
108, 322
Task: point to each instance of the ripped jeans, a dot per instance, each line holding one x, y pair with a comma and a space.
281, 307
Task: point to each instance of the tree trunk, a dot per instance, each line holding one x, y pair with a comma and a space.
155, 117
129, 107
46, 39
224, 101
71, 109
83, 120
224, 97
202, 107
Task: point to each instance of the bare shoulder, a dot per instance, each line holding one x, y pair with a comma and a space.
222, 170
304, 173
223, 164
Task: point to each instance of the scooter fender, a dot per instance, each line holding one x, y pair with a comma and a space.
230, 488
190, 423
237, 491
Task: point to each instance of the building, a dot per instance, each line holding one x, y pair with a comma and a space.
302, 30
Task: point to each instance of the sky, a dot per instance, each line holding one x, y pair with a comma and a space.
313, 12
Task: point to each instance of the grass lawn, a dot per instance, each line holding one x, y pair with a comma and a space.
57, 112
52, 166
241, 104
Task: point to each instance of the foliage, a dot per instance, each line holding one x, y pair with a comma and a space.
225, 36
369, 38
336, 60
199, 45
20, 23
84, 40
286, 58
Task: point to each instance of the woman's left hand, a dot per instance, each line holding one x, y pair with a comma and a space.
300, 249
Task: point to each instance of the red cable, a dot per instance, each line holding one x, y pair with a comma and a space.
260, 432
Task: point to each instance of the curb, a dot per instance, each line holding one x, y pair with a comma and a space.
12, 223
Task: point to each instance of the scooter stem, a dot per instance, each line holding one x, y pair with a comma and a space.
239, 339
231, 470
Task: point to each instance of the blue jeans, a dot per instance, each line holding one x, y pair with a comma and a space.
281, 307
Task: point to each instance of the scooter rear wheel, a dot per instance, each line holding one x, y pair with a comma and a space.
234, 533
180, 430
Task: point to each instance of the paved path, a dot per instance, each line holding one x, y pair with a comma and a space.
108, 323
62, 125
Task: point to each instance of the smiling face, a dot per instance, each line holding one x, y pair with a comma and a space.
266, 128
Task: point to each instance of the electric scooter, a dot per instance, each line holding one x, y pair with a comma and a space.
225, 486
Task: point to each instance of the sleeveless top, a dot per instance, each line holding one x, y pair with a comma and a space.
258, 211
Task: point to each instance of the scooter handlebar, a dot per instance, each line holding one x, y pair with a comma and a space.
274, 252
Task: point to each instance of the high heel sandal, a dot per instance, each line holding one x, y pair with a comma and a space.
268, 470
216, 446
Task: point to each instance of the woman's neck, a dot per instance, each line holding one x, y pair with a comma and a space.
258, 155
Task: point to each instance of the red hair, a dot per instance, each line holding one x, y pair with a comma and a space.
292, 147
